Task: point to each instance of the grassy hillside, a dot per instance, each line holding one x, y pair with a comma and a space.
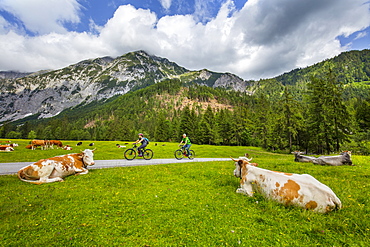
182, 205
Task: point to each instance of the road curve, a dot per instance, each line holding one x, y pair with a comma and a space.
12, 168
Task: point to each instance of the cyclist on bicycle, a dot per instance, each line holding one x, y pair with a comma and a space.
144, 142
187, 143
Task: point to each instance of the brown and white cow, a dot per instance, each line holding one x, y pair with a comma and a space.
6, 148
56, 168
67, 147
44, 144
56, 143
301, 190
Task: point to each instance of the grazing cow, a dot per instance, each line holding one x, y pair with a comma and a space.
301, 190
56, 143
343, 159
91, 144
6, 148
298, 157
29, 146
44, 144
79, 144
56, 168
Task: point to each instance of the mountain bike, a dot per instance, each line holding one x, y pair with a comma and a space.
181, 153
130, 153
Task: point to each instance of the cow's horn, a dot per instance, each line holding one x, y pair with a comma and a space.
233, 159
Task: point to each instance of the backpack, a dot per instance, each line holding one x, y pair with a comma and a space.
146, 140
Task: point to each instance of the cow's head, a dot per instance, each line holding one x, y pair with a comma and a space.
239, 164
349, 153
88, 157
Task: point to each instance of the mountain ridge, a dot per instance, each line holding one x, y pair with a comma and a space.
48, 93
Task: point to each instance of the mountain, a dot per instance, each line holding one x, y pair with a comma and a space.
47, 93
351, 67
12, 74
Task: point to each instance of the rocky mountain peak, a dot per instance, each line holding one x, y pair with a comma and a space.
47, 93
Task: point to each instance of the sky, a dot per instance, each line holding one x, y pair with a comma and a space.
253, 39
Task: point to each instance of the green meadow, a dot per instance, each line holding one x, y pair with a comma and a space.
191, 204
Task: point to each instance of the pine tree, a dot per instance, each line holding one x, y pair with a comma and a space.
162, 128
291, 117
328, 115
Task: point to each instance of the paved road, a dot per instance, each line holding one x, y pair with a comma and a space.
11, 168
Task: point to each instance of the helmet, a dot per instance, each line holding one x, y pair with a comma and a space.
140, 134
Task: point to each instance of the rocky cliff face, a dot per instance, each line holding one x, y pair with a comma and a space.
48, 93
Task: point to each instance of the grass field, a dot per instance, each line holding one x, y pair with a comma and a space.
192, 204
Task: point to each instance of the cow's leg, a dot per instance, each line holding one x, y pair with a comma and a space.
44, 180
246, 189
81, 171
45, 174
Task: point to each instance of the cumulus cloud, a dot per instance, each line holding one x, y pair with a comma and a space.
261, 40
42, 17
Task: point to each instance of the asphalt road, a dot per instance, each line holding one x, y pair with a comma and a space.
12, 168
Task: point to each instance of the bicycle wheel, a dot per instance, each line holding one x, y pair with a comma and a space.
178, 154
147, 154
129, 154
192, 154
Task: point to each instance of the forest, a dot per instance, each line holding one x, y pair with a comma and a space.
321, 109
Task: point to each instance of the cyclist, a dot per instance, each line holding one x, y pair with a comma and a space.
187, 143
144, 142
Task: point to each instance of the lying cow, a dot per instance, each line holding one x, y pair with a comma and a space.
56, 168
67, 147
298, 157
6, 148
289, 189
29, 146
343, 159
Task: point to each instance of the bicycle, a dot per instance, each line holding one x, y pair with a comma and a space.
130, 153
182, 153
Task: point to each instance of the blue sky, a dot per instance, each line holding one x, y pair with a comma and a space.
253, 39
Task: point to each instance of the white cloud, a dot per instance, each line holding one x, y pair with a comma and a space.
166, 4
43, 16
264, 39
361, 35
